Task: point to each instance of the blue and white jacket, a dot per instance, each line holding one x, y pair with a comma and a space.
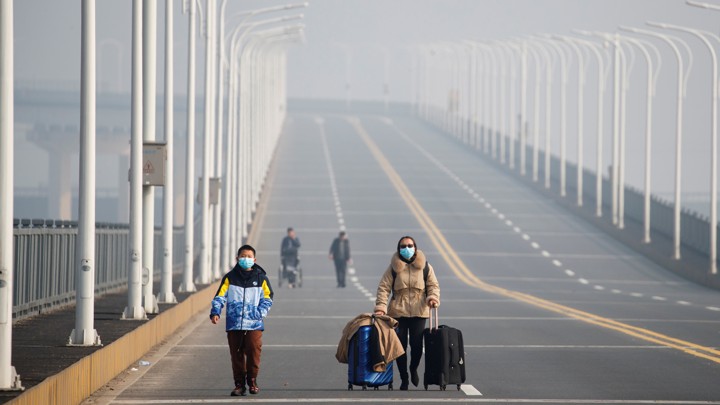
248, 297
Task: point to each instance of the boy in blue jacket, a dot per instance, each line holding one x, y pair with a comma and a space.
246, 292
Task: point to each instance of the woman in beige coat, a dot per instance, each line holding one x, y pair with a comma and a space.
406, 292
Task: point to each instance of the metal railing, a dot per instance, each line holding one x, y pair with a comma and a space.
694, 229
45, 256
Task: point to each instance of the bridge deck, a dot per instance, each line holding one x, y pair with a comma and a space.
552, 310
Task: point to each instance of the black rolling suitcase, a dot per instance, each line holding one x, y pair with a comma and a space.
444, 355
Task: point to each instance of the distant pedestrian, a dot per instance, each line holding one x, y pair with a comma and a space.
246, 292
406, 292
340, 254
289, 248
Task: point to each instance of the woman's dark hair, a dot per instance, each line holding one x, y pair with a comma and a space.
414, 243
246, 247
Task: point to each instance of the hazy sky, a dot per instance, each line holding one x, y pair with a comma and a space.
47, 44
48, 35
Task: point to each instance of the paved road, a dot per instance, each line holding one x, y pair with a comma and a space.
552, 310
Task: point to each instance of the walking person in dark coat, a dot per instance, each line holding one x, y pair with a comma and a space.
340, 254
289, 255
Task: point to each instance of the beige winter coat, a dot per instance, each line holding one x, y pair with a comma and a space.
389, 343
407, 298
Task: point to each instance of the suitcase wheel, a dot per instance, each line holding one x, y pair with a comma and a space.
350, 387
390, 387
426, 387
442, 387
458, 387
364, 387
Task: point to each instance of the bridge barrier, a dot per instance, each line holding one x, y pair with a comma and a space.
45, 251
80, 380
694, 227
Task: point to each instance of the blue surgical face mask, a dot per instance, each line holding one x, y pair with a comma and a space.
407, 253
246, 262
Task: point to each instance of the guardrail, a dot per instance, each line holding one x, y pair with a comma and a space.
45, 250
694, 228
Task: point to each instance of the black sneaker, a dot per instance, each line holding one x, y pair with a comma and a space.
239, 391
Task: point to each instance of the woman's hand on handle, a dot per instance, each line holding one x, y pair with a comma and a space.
433, 303
378, 312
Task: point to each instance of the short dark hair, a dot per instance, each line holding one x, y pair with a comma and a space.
342, 233
290, 229
246, 247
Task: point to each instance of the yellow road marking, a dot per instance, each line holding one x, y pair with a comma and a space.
463, 273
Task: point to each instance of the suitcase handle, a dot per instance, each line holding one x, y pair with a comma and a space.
437, 322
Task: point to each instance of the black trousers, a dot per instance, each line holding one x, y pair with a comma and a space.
412, 328
340, 270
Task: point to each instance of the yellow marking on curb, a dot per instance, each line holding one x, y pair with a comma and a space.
463, 272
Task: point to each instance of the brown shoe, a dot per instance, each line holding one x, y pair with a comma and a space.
253, 388
239, 391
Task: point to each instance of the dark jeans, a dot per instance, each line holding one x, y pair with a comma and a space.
340, 270
412, 327
245, 349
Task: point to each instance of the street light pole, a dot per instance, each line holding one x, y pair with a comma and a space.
703, 36
563, 111
681, 77
135, 309
9, 379
602, 81
232, 222
651, 76
149, 61
549, 67
84, 333
523, 49
536, 111
166, 295
188, 285
580, 115
205, 248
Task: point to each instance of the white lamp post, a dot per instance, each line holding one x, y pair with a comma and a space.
651, 76
580, 114
233, 182
562, 57
84, 333
135, 309
222, 249
681, 79
703, 36
549, 67
166, 295
485, 70
618, 75
537, 67
9, 379
205, 214
509, 120
564, 64
187, 284
601, 83
149, 62
523, 49
495, 101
